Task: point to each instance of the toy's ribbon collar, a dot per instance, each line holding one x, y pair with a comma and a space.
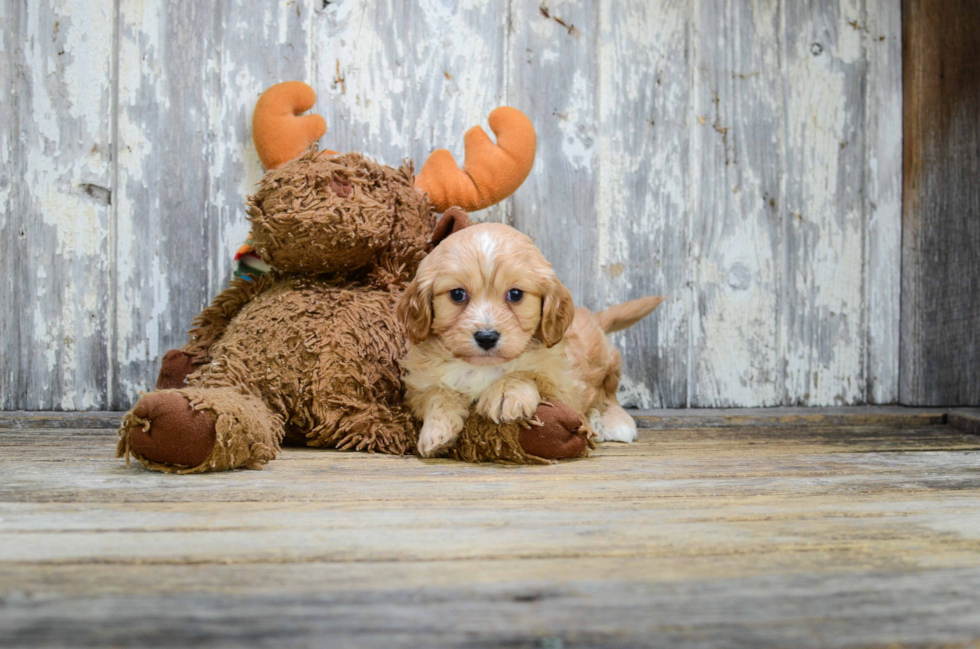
249, 265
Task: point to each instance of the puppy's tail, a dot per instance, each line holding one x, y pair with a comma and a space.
625, 315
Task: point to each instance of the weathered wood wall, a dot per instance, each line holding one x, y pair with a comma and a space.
742, 157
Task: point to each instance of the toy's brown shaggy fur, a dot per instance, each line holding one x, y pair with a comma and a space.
240, 430
310, 351
556, 432
342, 214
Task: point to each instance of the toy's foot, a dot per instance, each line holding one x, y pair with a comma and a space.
562, 436
175, 368
174, 433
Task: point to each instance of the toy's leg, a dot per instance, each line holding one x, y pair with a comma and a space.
177, 365
351, 423
193, 430
561, 435
616, 425
207, 329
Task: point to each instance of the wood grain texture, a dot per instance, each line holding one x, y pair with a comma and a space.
823, 321
55, 191
736, 205
940, 339
746, 168
911, 609
798, 534
882, 38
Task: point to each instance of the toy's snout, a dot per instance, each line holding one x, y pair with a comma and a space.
307, 243
323, 214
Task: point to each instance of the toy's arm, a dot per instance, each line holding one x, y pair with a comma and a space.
210, 324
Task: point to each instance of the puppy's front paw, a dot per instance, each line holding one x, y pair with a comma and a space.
621, 433
509, 401
614, 426
436, 435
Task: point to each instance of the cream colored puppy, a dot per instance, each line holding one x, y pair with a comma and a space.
490, 323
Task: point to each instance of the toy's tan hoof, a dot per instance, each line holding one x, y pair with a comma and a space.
177, 433
175, 368
561, 437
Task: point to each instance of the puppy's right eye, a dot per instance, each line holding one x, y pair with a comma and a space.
457, 295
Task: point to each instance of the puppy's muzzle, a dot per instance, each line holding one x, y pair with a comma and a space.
486, 339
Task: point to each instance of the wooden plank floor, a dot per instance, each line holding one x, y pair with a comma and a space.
810, 528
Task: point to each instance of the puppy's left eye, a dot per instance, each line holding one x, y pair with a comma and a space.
515, 295
457, 295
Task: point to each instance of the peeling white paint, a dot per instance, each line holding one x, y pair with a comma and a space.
634, 394
883, 128
642, 189
406, 92
576, 124
55, 169
823, 347
60, 212
850, 30
140, 283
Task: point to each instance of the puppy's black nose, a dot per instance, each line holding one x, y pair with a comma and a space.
486, 339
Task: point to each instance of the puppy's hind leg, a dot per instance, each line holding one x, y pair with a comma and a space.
617, 426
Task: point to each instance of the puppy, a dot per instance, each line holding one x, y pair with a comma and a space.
490, 323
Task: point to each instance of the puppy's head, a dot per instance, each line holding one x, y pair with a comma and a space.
488, 294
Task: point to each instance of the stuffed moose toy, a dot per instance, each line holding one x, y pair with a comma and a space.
309, 352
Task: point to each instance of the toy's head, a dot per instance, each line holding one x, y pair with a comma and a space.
322, 212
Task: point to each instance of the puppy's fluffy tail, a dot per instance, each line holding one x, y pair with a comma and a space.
625, 315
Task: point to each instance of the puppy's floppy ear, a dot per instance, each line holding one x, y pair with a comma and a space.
453, 220
415, 311
557, 312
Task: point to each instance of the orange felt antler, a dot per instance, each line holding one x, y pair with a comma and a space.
279, 130
490, 173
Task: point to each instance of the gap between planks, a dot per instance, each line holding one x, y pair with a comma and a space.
965, 419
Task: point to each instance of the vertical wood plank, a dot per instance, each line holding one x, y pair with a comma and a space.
161, 248
9, 187
736, 203
552, 73
644, 173
397, 80
883, 205
822, 294
190, 74
55, 191
940, 338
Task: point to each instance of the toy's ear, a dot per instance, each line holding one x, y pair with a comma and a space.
415, 311
279, 129
453, 220
491, 172
557, 312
